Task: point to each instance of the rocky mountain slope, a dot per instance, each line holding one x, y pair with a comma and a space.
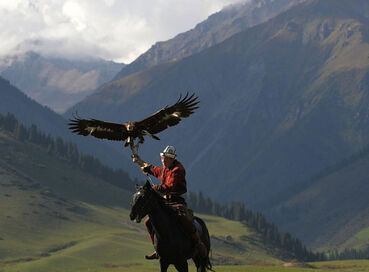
279, 101
56, 82
217, 28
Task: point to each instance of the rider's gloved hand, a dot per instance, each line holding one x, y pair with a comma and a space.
146, 168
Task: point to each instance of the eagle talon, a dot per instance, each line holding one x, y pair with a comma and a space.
137, 147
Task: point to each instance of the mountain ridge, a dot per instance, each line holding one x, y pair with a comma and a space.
56, 82
215, 29
283, 99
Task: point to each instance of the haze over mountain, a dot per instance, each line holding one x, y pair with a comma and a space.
279, 101
217, 28
56, 82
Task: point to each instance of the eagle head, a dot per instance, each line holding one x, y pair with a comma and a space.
130, 126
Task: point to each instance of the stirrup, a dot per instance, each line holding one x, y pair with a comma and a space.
152, 256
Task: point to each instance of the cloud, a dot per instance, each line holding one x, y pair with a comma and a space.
111, 29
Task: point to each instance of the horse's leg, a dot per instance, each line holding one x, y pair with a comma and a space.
199, 264
182, 267
163, 265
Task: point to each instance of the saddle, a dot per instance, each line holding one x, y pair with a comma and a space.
177, 207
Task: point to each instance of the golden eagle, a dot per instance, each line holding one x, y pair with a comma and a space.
128, 132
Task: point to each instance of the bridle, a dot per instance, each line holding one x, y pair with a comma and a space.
141, 205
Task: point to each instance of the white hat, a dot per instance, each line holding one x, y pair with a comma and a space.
169, 152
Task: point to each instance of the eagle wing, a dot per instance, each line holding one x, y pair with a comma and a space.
169, 116
98, 129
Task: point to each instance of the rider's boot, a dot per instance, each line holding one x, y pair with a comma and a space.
150, 230
199, 245
152, 256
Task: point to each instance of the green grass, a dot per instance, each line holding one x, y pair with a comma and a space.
54, 217
59, 175
105, 240
360, 240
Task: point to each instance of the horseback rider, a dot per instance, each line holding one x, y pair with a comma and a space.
173, 187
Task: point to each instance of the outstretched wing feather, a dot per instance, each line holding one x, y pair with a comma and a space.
98, 129
170, 116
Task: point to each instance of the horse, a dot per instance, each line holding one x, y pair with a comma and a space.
171, 243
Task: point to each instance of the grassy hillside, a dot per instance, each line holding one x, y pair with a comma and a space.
109, 242
54, 174
55, 215
330, 210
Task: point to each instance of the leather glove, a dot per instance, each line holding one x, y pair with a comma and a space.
146, 168
137, 160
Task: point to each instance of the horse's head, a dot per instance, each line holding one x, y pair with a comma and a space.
141, 202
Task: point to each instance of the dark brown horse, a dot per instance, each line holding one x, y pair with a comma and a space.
171, 243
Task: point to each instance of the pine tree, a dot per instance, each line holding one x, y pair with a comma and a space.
200, 202
1, 120
59, 147
191, 200
33, 135
20, 132
10, 122
51, 148
215, 209
72, 152
235, 210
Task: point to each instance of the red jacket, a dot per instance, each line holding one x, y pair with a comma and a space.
173, 180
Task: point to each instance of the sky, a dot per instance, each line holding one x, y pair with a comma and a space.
118, 30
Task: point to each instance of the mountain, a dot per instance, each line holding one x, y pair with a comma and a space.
279, 102
331, 209
29, 112
217, 28
56, 82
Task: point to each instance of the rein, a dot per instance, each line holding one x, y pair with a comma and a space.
140, 207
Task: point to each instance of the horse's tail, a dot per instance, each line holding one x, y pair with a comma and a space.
205, 238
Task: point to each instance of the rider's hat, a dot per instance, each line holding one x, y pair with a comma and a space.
169, 152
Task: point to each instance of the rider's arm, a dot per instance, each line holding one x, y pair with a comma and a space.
144, 166
156, 171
